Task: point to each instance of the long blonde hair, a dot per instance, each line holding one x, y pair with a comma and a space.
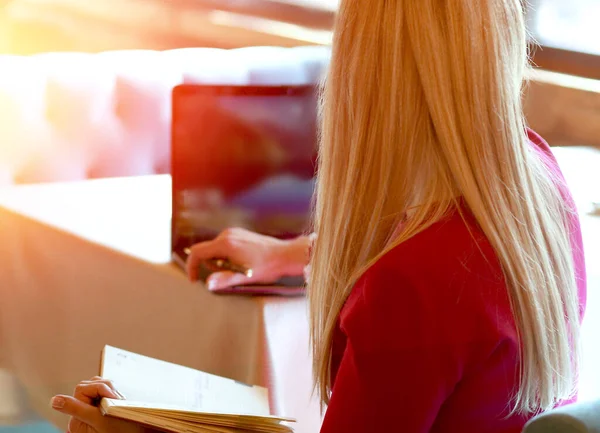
422, 104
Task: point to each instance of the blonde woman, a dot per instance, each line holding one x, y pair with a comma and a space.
447, 281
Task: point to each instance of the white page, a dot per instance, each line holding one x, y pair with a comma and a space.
154, 382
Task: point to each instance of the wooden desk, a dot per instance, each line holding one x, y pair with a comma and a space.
87, 264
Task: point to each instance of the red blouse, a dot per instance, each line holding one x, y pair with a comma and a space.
426, 341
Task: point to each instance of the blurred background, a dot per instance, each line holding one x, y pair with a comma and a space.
562, 102
33, 26
567, 29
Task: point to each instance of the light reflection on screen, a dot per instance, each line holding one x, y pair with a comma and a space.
242, 161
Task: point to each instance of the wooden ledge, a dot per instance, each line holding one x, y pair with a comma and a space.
564, 109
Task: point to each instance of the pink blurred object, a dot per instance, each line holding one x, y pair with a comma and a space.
75, 116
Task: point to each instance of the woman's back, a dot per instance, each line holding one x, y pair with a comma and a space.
422, 108
427, 339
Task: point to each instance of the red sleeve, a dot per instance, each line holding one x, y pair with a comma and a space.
388, 391
392, 376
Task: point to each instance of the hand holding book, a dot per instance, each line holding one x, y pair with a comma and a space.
165, 397
86, 416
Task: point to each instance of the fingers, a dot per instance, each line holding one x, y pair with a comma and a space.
223, 280
82, 406
90, 392
201, 252
108, 383
85, 413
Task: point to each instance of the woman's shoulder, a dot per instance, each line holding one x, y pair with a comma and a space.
443, 285
452, 246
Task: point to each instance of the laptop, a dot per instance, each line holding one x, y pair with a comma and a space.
242, 156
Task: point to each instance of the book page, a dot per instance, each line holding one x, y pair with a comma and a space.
162, 384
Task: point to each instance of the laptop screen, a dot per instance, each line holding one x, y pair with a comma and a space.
242, 157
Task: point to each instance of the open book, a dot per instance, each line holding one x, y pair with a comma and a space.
171, 397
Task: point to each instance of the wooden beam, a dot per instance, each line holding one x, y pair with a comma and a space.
320, 18
566, 61
564, 109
